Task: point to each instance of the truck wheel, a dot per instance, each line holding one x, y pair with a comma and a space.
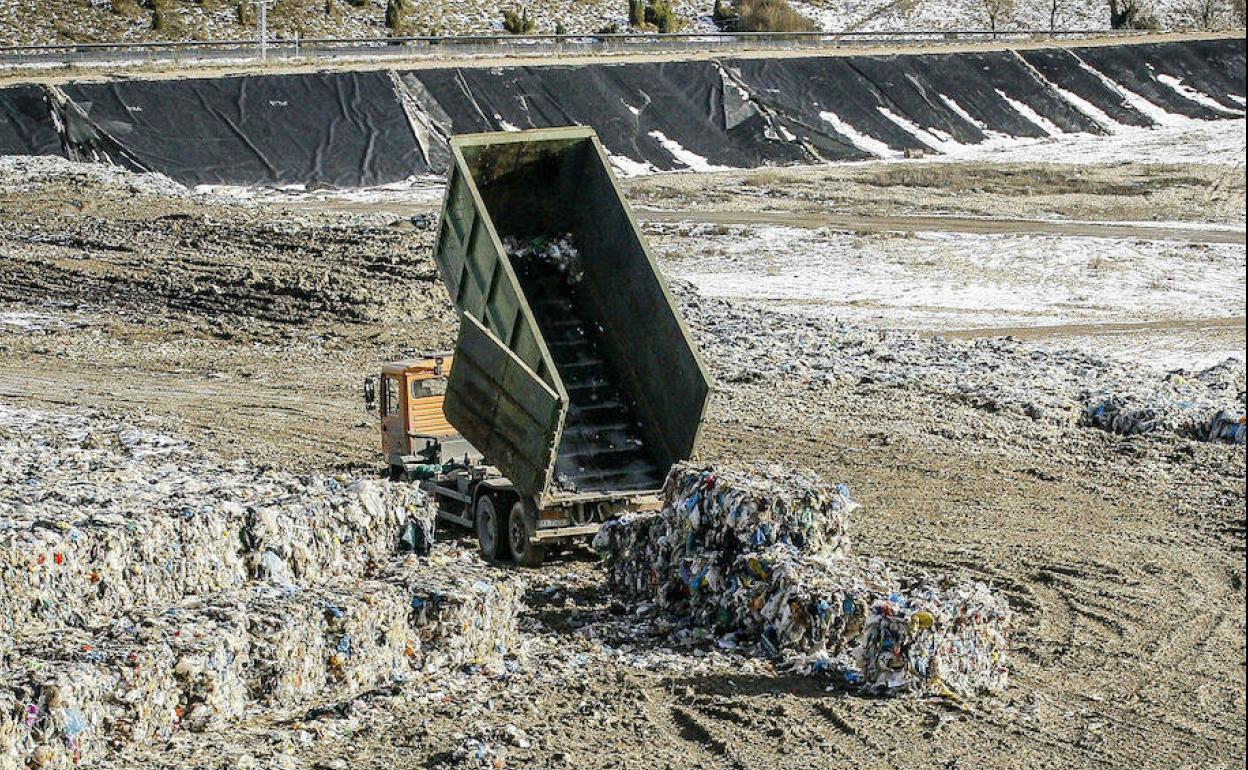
524, 551
491, 530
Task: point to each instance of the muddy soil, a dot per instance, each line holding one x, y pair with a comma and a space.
251, 327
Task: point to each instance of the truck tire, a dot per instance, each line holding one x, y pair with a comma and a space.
524, 551
491, 529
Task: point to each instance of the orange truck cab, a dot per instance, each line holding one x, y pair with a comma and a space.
415, 435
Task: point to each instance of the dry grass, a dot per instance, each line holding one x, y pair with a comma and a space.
769, 16
765, 177
1057, 180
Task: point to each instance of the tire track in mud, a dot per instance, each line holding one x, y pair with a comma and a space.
212, 264
692, 730
1076, 609
864, 746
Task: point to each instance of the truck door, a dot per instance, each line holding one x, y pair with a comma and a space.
393, 416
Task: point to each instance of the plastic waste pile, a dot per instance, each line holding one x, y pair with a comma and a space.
1178, 403
205, 662
1066, 388
766, 557
173, 591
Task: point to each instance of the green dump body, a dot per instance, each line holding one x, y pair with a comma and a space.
573, 391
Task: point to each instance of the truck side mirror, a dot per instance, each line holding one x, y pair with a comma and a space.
370, 394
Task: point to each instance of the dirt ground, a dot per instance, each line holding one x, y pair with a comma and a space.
251, 327
1057, 195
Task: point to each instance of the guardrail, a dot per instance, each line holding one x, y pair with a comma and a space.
458, 46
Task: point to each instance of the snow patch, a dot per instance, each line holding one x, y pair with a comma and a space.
1086, 107
859, 139
954, 281
1046, 125
918, 132
1187, 92
694, 161
629, 167
1141, 105
961, 112
27, 321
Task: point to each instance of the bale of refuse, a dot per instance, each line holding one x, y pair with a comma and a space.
73, 696
330, 528
351, 635
728, 508
97, 517
745, 555
77, 694
711, 515
938, 634
463, 615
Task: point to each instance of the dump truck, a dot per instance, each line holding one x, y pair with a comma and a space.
572, 389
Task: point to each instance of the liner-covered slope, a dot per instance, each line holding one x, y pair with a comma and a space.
352, 129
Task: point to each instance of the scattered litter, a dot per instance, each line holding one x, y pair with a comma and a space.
1178, 403
1065, 388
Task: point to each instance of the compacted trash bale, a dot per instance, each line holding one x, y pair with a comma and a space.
77, 694
767, 557
71, 696
97, 517
147, 588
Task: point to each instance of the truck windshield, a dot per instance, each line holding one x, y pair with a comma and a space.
434, 386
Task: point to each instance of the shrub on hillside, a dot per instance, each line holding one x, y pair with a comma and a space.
1131, 14
396, 15
654, 15
769, 16
166, 21
636, 13
126, 8
662, 16
518, 23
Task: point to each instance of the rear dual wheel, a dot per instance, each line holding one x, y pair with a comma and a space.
499, 538
491, 530
524, 551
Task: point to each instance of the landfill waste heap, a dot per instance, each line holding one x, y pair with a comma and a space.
1064, 388
147, 588
764, 558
